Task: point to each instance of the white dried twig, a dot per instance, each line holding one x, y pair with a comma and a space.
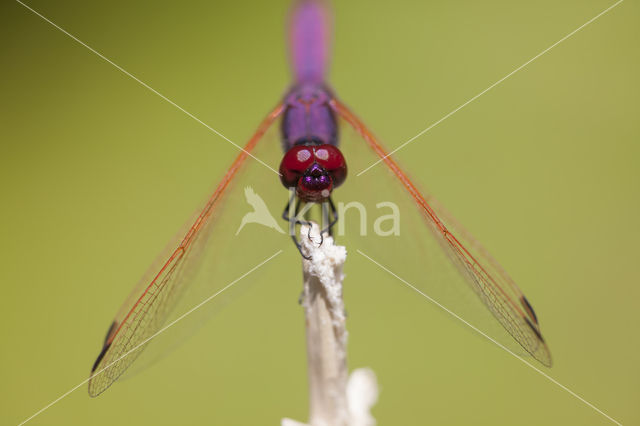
335, 398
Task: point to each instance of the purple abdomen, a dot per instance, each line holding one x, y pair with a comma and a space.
308, 118
309, 41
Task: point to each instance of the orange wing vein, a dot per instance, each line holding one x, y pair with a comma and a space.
484, 275
126, 339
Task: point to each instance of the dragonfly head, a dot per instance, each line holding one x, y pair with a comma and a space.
314, 170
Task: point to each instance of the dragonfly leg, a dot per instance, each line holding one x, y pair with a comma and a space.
321, 236
293, 221
285, 212
334, 213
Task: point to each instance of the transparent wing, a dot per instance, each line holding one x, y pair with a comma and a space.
479, 270
149, 305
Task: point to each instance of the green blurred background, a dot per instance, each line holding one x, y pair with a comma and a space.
97, 173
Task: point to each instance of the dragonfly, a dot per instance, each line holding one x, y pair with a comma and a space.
312, 167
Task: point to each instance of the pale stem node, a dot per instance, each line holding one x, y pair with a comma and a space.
335, 398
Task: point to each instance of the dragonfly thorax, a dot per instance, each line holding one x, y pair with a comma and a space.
308, 118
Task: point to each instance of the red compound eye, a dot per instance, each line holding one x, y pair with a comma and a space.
313, 170
330, 157
294, 163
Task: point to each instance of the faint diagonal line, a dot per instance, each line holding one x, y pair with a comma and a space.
144, 342
127, 73
456, 316
492, 86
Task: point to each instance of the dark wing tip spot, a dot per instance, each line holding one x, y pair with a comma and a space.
104, 350
110, 331
106, 345
529, 309
535, 329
